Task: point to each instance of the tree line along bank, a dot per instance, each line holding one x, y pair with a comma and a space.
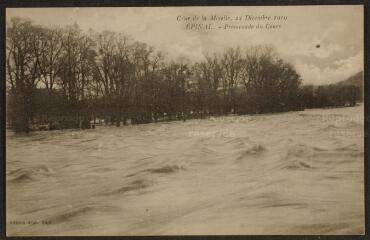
60, 78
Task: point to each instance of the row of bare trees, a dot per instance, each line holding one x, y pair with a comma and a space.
67, 78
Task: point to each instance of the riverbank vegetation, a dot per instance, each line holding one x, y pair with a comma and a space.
61, 78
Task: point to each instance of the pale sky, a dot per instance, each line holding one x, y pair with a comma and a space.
337, 29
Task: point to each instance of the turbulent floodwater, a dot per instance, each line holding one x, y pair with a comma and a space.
290, 173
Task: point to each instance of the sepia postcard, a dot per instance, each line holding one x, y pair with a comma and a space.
153, 121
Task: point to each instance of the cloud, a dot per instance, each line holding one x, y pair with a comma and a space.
337, 29
344, 68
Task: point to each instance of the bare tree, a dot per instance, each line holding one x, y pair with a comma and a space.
270, 83
50, 60
215, 74
23, 59
77, 63
231, 63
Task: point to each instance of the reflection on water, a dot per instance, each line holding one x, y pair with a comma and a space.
290, 173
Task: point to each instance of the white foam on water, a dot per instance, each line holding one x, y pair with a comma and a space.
289, 173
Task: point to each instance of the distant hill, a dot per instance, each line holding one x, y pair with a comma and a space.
355, 80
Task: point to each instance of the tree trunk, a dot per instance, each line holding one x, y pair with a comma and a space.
21, 121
